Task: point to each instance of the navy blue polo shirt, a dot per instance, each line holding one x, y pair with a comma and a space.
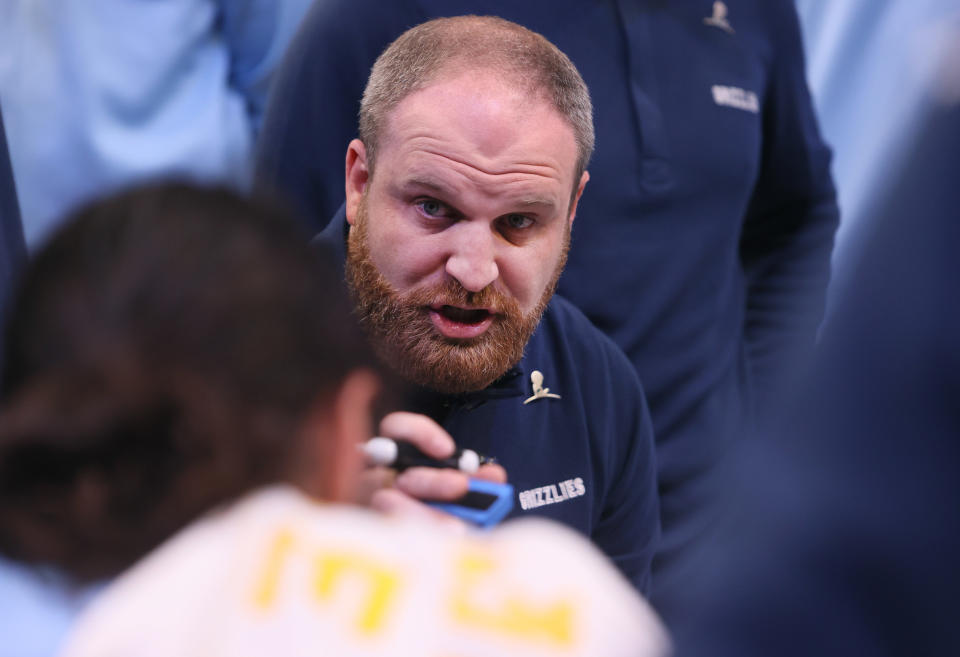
585, 459
702, 241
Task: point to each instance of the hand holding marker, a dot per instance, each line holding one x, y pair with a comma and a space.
400, 455
485, 503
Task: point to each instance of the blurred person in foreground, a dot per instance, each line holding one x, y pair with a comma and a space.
183, 373
848, 527
461, 192
702, 240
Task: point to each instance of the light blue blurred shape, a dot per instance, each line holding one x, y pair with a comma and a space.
871, 64
98, 94
36, 610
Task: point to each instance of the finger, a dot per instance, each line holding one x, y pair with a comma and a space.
370, 481
442, 484
420, 430
491, 472
395, 503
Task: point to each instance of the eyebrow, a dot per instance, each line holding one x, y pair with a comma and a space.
537, 201
415, 180
439, 187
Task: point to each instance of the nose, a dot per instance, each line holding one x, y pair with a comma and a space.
473, 260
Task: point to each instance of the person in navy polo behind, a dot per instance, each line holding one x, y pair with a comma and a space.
475, 134
703, 239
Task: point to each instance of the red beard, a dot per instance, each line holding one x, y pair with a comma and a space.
404, 337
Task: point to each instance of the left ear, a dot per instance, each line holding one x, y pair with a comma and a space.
576, 197
332, 433
356, 178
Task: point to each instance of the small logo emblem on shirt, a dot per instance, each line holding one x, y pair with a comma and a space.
719, 18
735, 97
539, 392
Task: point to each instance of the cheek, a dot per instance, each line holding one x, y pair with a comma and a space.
527, 274
404, 259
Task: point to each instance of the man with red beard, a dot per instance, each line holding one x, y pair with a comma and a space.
461, 191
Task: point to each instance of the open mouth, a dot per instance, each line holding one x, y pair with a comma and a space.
460, 323
463, 315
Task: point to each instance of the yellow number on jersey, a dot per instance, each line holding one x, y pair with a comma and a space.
330, 568
511, 615
383, 583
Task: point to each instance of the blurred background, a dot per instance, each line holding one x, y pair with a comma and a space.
876, 69
96, 95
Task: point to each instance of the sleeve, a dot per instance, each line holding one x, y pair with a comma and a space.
790, 223
312, 112
628, 529
257, 33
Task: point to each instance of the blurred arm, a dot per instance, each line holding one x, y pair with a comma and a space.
788, 232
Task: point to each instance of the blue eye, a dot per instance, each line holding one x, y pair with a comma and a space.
518, 221
432, 207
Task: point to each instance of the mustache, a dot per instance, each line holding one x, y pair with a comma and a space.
451, 293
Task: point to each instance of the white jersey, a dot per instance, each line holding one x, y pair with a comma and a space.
278, 574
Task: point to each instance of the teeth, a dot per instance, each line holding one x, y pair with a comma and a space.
464, 315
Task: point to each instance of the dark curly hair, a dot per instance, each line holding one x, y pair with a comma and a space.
161, 354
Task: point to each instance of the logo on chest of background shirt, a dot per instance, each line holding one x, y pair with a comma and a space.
552, 493
719, 17
736, 98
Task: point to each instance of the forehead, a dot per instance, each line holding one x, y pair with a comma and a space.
475, 125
